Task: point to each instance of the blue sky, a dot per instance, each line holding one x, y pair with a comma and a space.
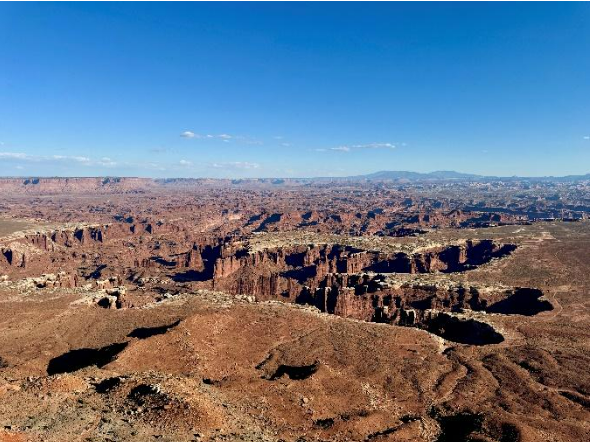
265, 90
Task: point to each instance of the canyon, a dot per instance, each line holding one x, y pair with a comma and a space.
293, 310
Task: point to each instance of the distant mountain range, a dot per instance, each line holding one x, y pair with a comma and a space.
53, 185
442, 175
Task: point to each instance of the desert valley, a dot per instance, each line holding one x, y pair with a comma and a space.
363, 309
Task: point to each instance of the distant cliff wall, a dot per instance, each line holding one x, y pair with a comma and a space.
47, 186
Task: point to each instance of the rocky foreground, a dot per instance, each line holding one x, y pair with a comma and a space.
324, 312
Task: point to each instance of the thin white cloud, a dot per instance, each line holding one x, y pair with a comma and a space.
190, 134
75, 159
25, 161
161, 150
374, 146
106, 161
351, 147
14, 156
225, 137
236, 165
587, 137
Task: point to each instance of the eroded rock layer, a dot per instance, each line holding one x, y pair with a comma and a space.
189, 310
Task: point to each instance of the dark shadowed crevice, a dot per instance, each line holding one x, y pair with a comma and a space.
577, 398
84, 357
379, 434
108, 384
148, 395
458, 427
524, 301
146, 332
295, 372
97, 273
324, 424
387, 431
463, 331
509, 433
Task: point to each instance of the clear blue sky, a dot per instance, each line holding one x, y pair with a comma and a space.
239, 90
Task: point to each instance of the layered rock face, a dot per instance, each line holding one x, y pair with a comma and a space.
374, 298
333, 278
142, 307
43, 186
330, 277
377, 298
27, 250
272, 273
343, 280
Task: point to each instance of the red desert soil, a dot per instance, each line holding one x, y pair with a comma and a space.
190, 310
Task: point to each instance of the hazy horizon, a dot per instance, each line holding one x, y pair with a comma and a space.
271, 90
31, 176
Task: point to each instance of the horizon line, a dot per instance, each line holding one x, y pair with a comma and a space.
460, 175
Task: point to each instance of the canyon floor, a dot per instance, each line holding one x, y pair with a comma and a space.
256, 314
